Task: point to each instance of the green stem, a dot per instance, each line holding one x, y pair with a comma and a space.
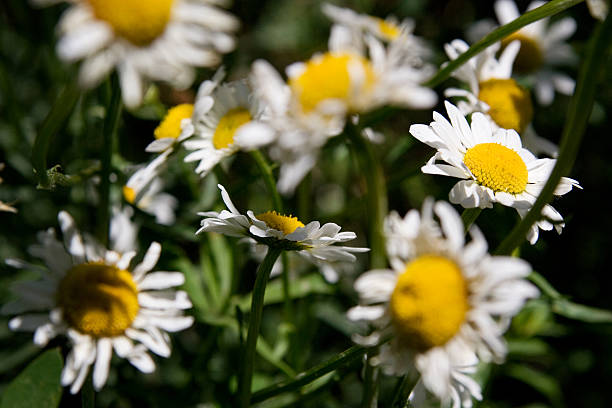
549, 9
246, 371
376, 195
580, 108
469, 215
57, 116
109, 129
339, 360
370, 385
402, 392
266, 173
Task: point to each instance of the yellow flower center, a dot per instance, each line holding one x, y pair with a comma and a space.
497, 167
228, 125
510, 103
97, 299
429, 302
171, 125
138, 22
388, 30
129, 194
328, 77
530, 56
284, 223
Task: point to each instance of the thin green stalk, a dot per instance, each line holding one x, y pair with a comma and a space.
306, 377
246, 370
549, 9
376, 195
402, 392
469, 216
580, 108
266, 173
109, 129
57, 116
370, 385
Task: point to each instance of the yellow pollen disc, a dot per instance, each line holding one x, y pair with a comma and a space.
497, 167
429, 302
284, 223
129, 194
388, 30
328, 77
510, 103
97, 299
530, 56
171, 125
228, 125
138, 22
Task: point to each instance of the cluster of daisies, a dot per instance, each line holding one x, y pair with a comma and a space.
444, 303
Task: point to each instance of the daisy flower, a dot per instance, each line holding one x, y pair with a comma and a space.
163, 41
493, 91
227, 118
493, 166
543, 46
91, 295
315, 242
349, 79
444, 304
144, 190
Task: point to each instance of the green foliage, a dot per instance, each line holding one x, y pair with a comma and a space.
38, 385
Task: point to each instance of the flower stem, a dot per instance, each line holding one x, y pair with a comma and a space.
469, 215
246, 371
339, 360
57, 116
376, 195
266, 173
580, 108
109, 129
370, 385
403, 390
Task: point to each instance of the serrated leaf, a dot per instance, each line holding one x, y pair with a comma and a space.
38, 385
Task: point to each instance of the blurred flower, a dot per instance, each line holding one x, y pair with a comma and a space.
493, 165
227, 118
444, 304
90, 294
163, 41
358, 74
144, 190
493, 92
598, 8
543, 47
312, 241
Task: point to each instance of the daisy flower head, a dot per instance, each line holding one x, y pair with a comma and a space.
543, 47
444, 304
144, 189
493, 91
227, 118
163, 41
348, 79
313, 241
175, 127
92, 296
493, 165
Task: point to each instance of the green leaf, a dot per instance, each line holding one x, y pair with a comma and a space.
38, 385
583, 313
